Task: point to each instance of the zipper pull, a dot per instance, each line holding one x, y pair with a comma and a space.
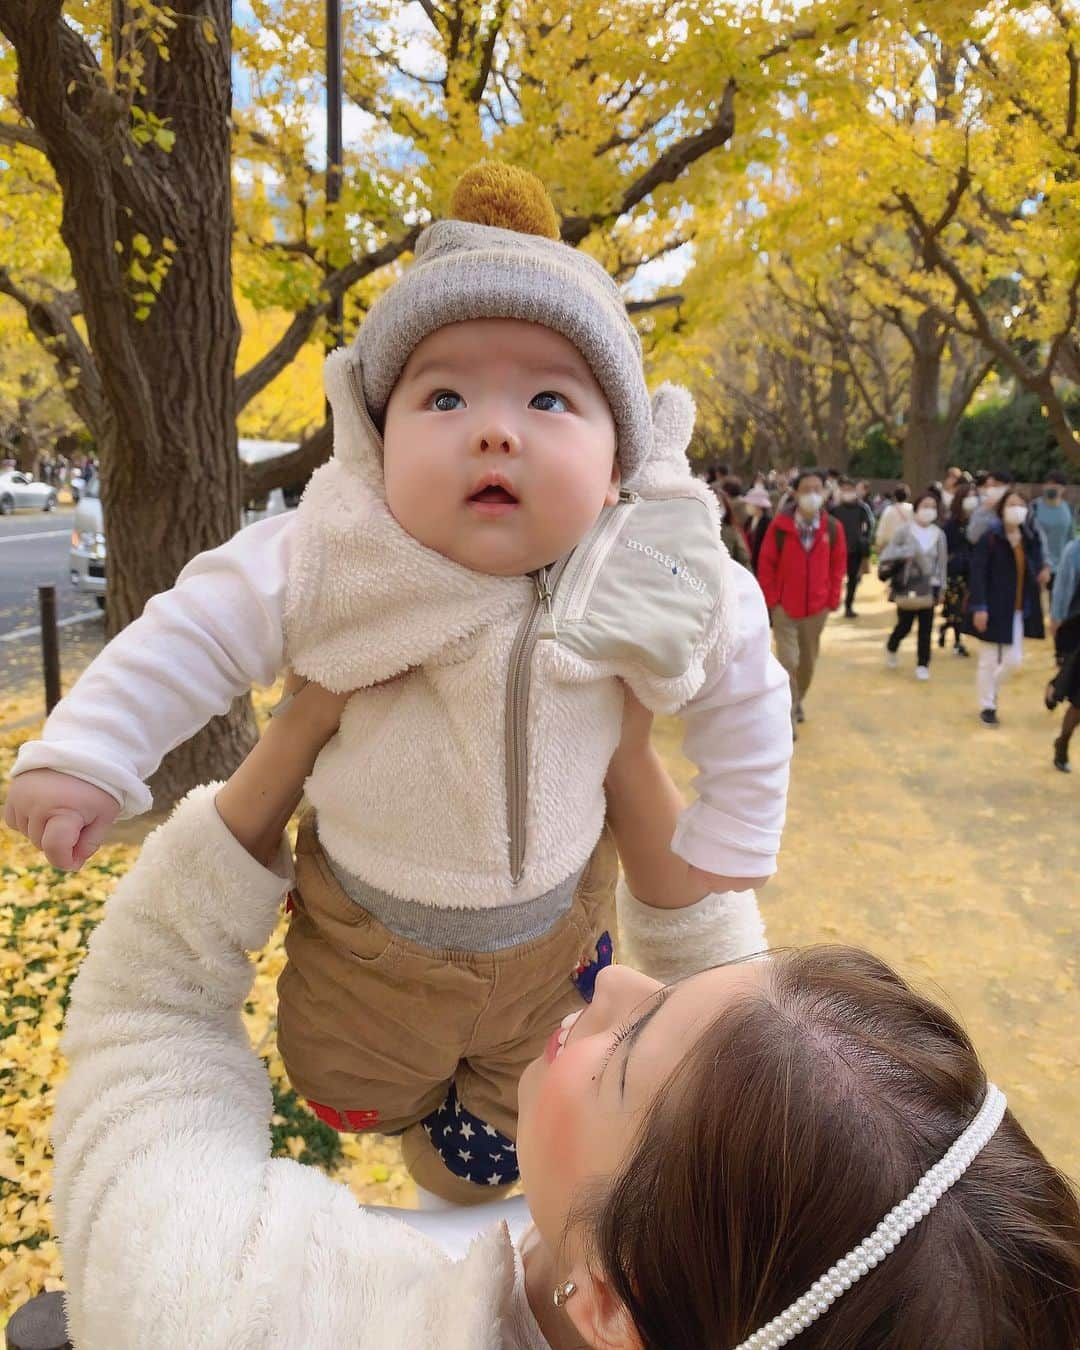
625, 495
543, 593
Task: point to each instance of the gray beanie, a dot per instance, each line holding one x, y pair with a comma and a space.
465, 269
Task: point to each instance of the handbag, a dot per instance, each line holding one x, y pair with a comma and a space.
912, 588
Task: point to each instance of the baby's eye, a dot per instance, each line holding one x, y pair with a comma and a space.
442, 394
548, 393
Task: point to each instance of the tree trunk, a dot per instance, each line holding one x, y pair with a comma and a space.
166, 364
926, 432
838, 452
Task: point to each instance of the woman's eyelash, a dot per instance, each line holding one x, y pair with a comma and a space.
620, 1036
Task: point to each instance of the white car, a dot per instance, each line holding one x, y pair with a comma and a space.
87, 559
20, 490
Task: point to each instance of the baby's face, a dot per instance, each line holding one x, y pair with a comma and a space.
506, 400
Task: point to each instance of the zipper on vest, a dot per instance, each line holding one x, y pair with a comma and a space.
580, 586
518, 680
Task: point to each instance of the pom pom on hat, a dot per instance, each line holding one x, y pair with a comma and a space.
505, 196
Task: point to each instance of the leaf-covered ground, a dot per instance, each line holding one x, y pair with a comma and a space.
951, 850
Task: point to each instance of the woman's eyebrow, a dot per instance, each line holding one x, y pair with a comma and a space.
635, 1031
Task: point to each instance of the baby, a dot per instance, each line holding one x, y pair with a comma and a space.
508, 534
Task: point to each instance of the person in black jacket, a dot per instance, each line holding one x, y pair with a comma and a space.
1005, 606
857, 521
954, 605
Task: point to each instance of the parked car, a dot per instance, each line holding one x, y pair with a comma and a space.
87, 560
18, 490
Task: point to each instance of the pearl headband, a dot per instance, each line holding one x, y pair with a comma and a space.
897, 1224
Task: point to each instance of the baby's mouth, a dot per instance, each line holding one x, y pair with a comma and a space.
494, 494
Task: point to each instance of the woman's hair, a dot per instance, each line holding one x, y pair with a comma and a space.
1009, 492
964, 488
800, 1117
930, 495
901, 492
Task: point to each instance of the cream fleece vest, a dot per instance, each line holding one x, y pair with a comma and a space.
468, 770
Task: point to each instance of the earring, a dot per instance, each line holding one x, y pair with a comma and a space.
563, 1292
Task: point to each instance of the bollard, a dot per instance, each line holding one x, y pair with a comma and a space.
39, 1325
50, 646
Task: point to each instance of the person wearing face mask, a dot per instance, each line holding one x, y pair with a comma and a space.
991, 491
758, 519
1054, 516
730, 533
954, 603
801, 571
898, 512
857, 521
917, 560
1007, 569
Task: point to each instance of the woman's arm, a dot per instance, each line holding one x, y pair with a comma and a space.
257, 801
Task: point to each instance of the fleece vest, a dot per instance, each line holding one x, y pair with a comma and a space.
468, 769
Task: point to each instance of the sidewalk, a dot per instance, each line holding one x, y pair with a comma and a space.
948, 848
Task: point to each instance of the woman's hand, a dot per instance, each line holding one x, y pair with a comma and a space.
1044, 578
637, 723
266, 789
980, 619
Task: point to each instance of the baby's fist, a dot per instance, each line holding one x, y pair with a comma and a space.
63, 816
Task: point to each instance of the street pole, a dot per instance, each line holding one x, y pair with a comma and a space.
333, 139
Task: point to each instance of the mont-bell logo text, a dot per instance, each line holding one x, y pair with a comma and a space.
675, 566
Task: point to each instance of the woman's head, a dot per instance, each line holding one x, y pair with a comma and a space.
758, 1126
1012, 508
927, 508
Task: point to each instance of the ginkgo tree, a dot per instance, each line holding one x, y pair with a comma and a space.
169, 200
925, 170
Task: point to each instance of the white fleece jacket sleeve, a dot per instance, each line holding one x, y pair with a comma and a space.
738, 734
175, 1225
193, 650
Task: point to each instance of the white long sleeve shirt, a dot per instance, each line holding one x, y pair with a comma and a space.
220, 630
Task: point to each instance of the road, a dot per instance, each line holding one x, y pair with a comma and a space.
34, 551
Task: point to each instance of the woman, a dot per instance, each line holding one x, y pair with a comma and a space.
898, 512
696, 1156
730, 529
1005, 606
954, 606
759, 518
916, 560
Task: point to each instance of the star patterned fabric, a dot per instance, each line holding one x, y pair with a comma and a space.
584, 977
470, 1147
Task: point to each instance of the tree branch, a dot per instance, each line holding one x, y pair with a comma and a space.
658, 302
285, 470
10, 134
50, 321
258, 376
671, 164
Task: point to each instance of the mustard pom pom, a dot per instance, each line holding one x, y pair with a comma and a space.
491, 193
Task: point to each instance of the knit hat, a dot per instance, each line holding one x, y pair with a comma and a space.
500, 257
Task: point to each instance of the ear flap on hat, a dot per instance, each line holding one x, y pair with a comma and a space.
358, 442
673, 414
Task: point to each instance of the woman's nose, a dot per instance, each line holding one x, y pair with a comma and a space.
619, 989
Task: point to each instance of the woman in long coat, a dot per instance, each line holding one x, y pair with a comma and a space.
1005, 605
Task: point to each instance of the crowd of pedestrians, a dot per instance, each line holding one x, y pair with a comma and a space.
971, 550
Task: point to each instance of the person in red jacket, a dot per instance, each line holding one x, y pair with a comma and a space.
801, 570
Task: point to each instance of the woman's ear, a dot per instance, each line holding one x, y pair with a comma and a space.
601, 1320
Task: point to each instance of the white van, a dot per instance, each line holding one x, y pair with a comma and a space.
87, 558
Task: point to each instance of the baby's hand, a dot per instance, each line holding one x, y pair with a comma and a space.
63, 816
